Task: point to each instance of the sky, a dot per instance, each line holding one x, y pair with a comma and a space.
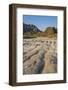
42, 22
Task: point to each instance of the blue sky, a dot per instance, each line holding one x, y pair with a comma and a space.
41, 21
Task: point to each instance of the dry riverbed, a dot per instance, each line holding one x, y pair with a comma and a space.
39, 56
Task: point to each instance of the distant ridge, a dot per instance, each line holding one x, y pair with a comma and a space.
30, 28
31, 31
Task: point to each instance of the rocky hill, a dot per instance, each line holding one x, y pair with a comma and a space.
50, 32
